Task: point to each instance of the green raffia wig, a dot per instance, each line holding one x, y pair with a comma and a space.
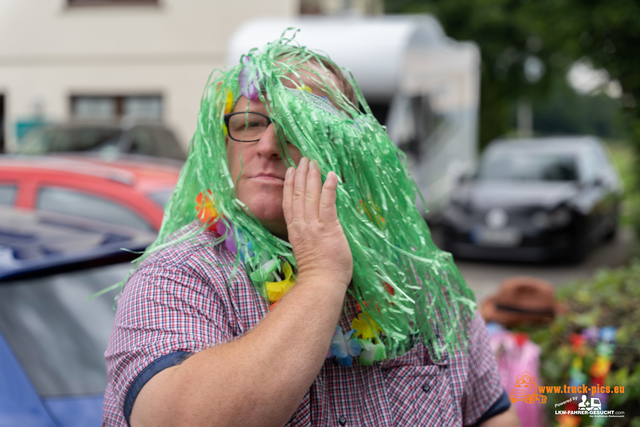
401, 281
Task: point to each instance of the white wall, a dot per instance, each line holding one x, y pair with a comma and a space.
49, 51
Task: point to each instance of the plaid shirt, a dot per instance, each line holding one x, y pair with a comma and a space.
178, 301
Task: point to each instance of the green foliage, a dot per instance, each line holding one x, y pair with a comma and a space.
564, 111
624, 157
610, 298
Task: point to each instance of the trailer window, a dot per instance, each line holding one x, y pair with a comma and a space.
411, 123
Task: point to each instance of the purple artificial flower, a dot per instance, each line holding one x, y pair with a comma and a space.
591, 334
221, 228
230, 240
249, 82
230, 243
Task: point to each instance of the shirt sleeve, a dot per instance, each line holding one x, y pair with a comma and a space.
483, 388
166, 308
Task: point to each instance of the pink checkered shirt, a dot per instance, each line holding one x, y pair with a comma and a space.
178, 301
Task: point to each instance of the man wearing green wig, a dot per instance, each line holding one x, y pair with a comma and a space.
293, 281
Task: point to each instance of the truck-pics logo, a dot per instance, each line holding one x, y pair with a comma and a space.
526, 389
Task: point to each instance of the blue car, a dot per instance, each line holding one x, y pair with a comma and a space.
52, 339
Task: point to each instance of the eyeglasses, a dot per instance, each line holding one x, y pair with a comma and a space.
246, 126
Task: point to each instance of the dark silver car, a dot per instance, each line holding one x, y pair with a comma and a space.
534, 200
138, 138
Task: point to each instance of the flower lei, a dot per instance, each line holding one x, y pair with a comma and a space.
362, 341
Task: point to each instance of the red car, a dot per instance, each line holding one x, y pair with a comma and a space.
125, 192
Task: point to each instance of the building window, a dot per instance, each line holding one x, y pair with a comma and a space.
111, 2
116, 107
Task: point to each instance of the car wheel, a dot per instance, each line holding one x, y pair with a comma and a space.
611, 234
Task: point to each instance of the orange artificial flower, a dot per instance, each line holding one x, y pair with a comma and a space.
206, 208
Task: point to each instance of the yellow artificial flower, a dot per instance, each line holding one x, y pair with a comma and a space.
278, 289
228, 105
600, 367
364, 327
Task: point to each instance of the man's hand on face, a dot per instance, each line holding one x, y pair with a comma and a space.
319, 244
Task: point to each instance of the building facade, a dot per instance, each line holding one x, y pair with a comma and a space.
108, 59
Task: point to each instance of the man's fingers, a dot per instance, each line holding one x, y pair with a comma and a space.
328, 212
300, 189
312, 196
287, 195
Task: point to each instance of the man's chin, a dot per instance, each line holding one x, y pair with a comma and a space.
278, 229
270, 216
267, 210
274, 223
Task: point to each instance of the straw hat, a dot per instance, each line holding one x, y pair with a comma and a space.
522, 299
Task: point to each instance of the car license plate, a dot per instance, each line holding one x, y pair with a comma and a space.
505, 237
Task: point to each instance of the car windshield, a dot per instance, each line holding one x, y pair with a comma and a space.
57, 335
89, 138
523, 165
161, 197
155, 141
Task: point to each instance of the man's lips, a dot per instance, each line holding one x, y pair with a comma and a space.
268, 177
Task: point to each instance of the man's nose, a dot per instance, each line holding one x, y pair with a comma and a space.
267, 145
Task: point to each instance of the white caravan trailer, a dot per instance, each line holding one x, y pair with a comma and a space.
422, 85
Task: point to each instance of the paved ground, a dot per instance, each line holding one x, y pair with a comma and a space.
485, 277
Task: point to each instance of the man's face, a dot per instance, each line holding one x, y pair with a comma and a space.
258, 169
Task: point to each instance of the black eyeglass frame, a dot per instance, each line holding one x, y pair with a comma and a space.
228, 116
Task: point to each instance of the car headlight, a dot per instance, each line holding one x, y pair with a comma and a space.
561, 216
541, 219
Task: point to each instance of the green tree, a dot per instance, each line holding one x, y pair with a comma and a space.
517, 36
564, 111
607, 33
